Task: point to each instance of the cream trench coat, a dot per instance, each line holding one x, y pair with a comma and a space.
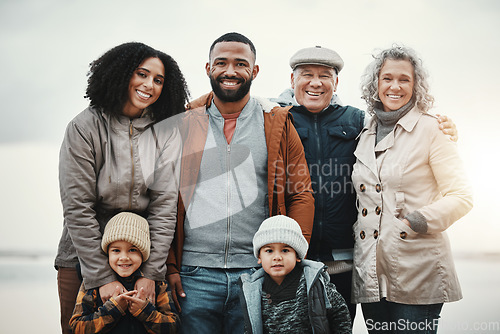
416, 167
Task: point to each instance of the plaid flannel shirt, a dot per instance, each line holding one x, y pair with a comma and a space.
91, 316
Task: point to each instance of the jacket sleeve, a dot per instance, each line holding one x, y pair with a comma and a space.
338, 316
162, 208
88, 318
162, 318
299, 199
452, 183
78, 169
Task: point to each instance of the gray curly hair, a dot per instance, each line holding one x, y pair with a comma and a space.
369, 80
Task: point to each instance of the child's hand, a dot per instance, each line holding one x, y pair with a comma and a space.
136, 301
119, 295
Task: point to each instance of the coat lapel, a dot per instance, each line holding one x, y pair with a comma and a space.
364, 151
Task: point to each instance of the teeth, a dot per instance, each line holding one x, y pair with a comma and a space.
141, 94
229, 83
314, 94
394, 96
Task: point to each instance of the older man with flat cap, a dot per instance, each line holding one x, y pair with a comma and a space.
328, 131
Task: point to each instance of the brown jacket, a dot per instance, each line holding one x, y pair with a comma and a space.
289, 183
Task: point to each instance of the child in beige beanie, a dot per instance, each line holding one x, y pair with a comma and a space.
126, 241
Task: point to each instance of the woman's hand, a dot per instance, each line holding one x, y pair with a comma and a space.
108, 290
148, 286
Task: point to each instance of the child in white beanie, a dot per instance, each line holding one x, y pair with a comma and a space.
289, 294
127, 243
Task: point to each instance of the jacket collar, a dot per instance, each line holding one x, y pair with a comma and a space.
287, 98
408, 121
311, 269
206, 101
120, 122
364, 151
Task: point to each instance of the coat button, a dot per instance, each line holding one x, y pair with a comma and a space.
403, 235
364, 212
362, 235
375, 234
378, 188
362, 187
378, 210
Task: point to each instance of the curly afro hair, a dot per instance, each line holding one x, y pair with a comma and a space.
110, 74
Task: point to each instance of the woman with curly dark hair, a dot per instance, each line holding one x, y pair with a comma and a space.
120, 154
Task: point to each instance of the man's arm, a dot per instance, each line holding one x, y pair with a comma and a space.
299, 198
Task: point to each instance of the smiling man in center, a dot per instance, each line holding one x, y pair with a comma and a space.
242, 162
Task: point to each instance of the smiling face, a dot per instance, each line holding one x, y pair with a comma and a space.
231, 71
395, 84
314, 86
145, 86
278, 260
124, 258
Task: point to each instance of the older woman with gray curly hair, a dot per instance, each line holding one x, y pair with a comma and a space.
411, 187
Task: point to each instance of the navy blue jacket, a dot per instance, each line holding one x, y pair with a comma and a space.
329, 139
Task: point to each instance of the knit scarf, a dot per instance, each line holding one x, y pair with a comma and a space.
386, 120
288, 288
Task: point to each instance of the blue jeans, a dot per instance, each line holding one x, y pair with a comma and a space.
212, 302
389, 317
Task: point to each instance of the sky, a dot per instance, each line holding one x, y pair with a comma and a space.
48, 45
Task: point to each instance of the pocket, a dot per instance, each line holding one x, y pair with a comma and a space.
345, 132
303, 133
402, 228
188, 270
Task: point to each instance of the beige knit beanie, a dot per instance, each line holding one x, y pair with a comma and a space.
280, 229
128, 226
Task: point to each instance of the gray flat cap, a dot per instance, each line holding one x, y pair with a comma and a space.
317, 56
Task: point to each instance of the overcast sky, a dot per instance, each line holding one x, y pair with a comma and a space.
48, 45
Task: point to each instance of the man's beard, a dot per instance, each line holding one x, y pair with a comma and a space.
230, 95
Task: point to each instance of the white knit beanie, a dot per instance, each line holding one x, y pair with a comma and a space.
280, 229
128, 226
